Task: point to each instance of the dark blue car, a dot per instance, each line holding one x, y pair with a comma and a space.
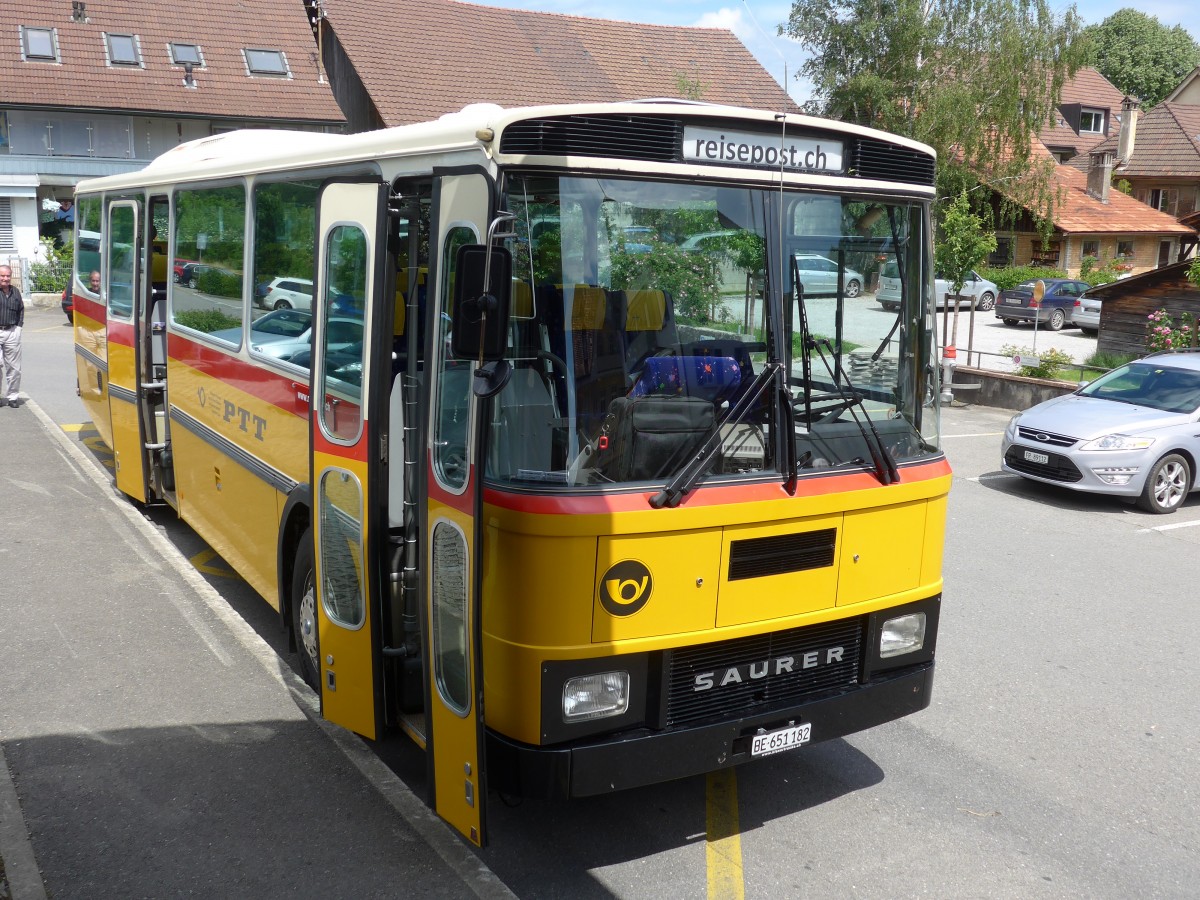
1054, 310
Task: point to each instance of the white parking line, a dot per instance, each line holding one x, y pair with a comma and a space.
994, 476
1170, 527
980, 434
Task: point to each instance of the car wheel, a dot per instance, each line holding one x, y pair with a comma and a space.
890, 307
304, 613
1010, 321
853, 288
281, 304
987, 301
1090, 332
1056, 321
1167, 485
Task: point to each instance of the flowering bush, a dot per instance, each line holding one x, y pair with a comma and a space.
1162, 332
1052, 360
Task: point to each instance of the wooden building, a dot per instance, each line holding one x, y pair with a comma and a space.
1128, 303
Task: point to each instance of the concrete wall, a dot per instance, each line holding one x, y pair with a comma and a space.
1015, 392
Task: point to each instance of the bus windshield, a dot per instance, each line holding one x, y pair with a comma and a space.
653, 322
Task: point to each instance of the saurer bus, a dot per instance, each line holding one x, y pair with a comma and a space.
567, 441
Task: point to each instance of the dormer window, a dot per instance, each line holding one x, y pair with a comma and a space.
1091, 121
181, 54
39, 44
265, 62
123, 50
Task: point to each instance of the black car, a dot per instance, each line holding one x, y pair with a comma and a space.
1055, 309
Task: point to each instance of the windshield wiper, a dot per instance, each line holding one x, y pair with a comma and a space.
682, 483
885, 464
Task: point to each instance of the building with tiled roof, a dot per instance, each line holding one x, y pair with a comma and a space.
96, 87
1088, 113
1094, 219
1160, 158
516, 58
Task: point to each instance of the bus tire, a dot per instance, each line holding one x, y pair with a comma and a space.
304, 613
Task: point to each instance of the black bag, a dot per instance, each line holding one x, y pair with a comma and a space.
654, 437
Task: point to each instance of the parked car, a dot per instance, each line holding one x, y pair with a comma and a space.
274, 327
1087, 314
178, 266
68, 303
639, 238
287, 293
819, 275
1056, 308
707, 242
1130, 433
192, 271
981, 291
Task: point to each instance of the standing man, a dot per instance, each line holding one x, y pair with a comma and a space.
12, 318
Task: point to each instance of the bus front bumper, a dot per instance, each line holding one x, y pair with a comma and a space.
644, 757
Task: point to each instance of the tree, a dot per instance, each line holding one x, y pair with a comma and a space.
1142, 56
976, 81
963, 244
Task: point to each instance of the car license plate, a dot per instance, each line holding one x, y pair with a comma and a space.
778, 741
1032, 457
1013, 301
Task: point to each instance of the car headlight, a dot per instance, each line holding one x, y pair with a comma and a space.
1118, 442
903, 634
595, 696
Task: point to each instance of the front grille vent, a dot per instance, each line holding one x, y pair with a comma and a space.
650, 138
1043, 437
882, 161
768, 671
776, 555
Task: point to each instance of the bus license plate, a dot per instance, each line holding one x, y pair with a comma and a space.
1036, 457
778, 741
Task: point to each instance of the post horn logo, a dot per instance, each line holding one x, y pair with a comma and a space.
625, 588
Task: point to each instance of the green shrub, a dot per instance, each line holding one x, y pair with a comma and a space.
206, 320
1053, 361
1106, 359
220, 284
1010, 276
53, 274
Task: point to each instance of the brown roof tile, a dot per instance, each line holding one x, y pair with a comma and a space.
1081, 213
543, 58
1166, 144
84, 80
1089, 88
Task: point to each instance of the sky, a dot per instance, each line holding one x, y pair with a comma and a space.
756, 22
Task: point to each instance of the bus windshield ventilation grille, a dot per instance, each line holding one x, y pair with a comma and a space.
650, 138
881, 161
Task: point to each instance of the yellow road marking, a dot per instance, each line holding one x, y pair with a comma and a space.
723, 848
202, 559
83, 426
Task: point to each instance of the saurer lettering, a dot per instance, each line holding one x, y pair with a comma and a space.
718, 678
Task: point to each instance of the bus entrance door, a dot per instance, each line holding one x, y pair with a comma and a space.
452, 627
123, 278
348, 428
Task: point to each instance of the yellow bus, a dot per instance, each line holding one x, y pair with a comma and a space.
567, 441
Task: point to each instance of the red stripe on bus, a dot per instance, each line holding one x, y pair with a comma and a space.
711, 495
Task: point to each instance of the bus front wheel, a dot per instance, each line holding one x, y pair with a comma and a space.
304, 613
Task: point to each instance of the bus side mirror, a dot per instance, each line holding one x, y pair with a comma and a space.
481, 303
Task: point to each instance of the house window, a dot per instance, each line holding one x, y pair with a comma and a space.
1002, 255
8, 240
186, 53
1091, 121
1125, 249
123, 50
1092, 249
39, 43
1164, 200
266, 62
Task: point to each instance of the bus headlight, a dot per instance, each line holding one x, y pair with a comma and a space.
903, 634
595, 696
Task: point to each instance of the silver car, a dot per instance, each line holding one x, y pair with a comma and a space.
1130, 433
819, 276
981, 291
1087, 314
